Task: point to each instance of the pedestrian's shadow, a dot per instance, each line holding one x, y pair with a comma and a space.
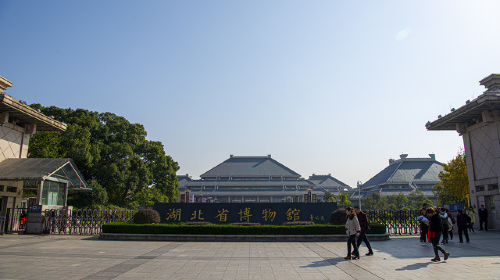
325, 262
414, 266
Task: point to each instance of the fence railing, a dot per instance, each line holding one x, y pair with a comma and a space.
14, 220
397, 222
86, 221
90, 221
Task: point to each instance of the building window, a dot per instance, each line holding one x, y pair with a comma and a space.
493, 187
491, 200
53, 193
479, 188
11, 189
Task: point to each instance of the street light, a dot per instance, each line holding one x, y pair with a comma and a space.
359, 189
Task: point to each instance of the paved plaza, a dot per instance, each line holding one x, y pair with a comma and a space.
87, 257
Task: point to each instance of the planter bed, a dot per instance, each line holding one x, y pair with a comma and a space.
232, 232
235, 238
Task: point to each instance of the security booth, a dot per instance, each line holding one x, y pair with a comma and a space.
48, 180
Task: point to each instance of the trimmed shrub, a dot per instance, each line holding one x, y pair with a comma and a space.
146, 216
338, 217
198, 223
232, 229
298, 223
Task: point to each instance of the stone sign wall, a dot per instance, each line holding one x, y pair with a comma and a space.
263, 213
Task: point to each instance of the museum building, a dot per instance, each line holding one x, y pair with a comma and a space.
256, 179
404, 175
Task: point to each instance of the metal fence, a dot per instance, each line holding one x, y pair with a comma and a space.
90, 221
86, 221
397, 222
82, 221
14, 220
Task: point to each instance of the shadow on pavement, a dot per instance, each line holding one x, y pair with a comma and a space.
414, 266
325, 262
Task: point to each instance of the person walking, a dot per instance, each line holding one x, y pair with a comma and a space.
424, 227
472, 215
451, 221
483, 218
435, 230
352, 229
444, 224
463, 221
364, 225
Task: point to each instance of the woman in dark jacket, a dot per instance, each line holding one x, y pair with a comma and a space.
435, 229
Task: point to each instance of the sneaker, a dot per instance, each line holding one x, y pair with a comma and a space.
436, 259
423, 243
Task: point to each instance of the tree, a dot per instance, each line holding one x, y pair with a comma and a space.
343, 198
110, 152
371, 201
454, 185
329, 197
417, 198
398, 201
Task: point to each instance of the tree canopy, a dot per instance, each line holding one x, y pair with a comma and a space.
112, 154
454, 185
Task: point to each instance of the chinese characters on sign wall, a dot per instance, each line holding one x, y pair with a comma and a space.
263, 213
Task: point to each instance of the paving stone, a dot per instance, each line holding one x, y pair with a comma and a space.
86, 257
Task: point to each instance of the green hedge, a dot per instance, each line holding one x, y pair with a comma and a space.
231, 229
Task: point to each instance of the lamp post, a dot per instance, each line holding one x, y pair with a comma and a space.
359, 189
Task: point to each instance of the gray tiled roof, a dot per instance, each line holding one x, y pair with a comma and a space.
250, 166
326, 181
408, 170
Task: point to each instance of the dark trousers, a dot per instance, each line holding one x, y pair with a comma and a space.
352, 241
435, 244
445, 234
424, 229
471, 227
362, 237
481, 221
465, 231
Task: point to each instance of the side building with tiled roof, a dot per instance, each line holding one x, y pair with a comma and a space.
403, 176
328, 183
250, 179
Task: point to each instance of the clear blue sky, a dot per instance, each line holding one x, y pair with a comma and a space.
324, 86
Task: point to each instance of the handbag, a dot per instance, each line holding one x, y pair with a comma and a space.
431, 234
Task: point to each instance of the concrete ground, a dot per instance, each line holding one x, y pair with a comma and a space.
87, 257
